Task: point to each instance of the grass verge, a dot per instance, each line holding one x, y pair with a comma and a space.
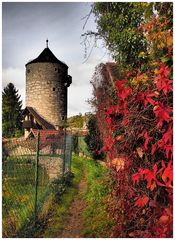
60, 208
97, 222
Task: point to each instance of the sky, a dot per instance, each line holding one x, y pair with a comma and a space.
25, 28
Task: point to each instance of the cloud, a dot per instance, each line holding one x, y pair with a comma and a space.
77, 99
25, 27
82, 73
60, 22
77, 94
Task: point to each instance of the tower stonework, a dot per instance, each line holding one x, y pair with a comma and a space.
47, 81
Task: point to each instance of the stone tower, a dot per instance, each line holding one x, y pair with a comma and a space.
47, 81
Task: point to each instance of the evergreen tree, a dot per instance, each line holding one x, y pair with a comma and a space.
11, 112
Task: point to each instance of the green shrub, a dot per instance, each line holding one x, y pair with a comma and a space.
93, 141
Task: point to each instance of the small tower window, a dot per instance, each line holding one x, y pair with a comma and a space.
28, 70
57, 70
53, 89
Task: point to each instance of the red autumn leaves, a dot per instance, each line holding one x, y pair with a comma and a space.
162, 176
156, 177
159, 174
139, 123
162, 113
162, 81
146, 98
141, 202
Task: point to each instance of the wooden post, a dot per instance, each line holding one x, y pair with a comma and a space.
36, 176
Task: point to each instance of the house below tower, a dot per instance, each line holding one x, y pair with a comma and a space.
32, 120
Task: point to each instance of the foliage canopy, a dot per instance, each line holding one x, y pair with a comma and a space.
76, 121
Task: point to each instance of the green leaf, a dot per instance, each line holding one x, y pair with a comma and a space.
165, 59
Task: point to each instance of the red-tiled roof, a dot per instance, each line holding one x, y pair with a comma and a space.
46, 132
48, 136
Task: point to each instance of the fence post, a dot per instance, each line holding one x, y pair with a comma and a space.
64, 149
70, 162
36, 176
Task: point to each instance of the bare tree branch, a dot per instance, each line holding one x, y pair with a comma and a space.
87, 18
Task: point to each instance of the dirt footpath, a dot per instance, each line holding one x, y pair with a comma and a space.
74, 223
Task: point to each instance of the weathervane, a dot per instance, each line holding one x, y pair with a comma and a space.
47, 43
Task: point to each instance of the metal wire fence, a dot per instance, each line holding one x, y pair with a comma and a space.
29, 169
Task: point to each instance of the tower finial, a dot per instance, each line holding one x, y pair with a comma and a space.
47, 43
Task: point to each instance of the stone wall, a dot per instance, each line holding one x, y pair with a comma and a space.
53, 166
46, 91
18, 150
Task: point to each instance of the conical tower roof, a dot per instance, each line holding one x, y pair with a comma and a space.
46, 56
